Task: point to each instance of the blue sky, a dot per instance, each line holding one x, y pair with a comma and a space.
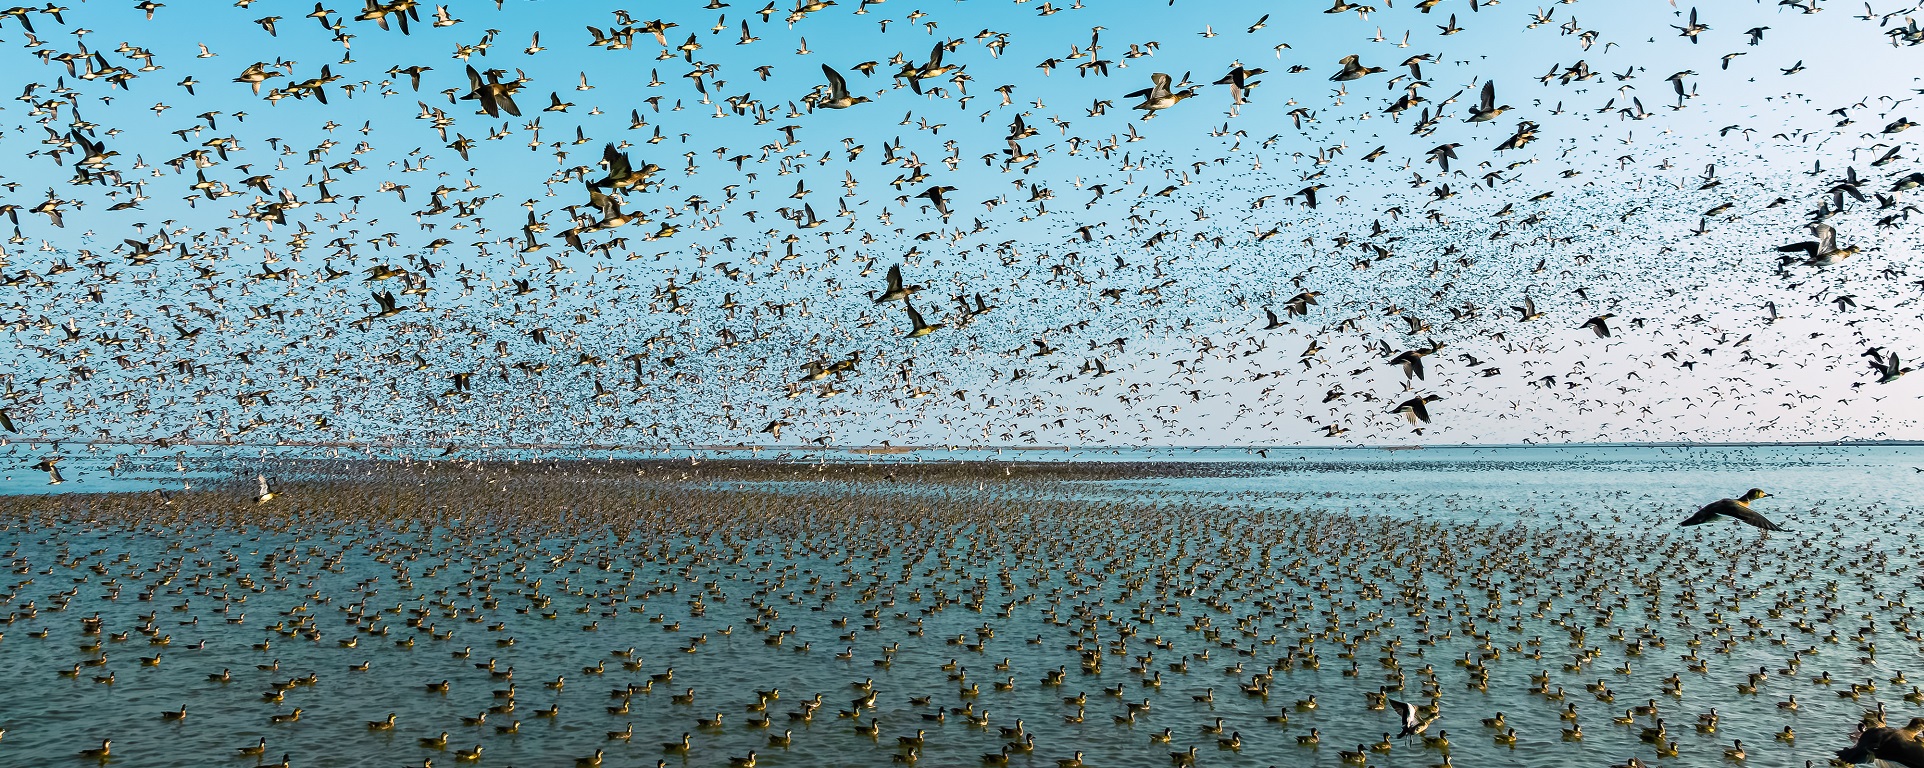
1597, 215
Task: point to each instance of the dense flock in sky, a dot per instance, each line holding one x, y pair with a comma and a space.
958, 223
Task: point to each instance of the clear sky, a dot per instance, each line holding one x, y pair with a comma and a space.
1153, 246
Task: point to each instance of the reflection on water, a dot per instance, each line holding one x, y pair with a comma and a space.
1328, 573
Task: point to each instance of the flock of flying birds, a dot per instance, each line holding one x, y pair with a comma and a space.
604, 246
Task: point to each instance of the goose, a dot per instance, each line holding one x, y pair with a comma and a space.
495, 96
1416, 409
1353, 69
921, 327
934, 68
838, 96
1886, 366
1158, 95
1487, 109
1528, 311
1736, 509
896, 289
1693, 29
1599, 325
1823, 251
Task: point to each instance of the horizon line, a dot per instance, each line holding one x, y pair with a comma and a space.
885, 449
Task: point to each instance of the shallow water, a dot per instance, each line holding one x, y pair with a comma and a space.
1545, 522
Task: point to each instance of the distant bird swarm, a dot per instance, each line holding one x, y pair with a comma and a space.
1268, 256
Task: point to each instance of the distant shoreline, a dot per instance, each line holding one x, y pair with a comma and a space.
907, 449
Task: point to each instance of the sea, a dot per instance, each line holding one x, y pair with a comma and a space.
1848, 510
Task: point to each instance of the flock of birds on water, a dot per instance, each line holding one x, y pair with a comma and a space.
421, 614
609, 236
1094, 223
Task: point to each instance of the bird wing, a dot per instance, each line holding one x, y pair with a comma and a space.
1489, 95
1807, 247
1405, 712
1705, 515
1752, 517
1901, 751
1886, 746
837, 86
1826, 238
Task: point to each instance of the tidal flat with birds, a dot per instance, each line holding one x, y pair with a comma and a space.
1524, 606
